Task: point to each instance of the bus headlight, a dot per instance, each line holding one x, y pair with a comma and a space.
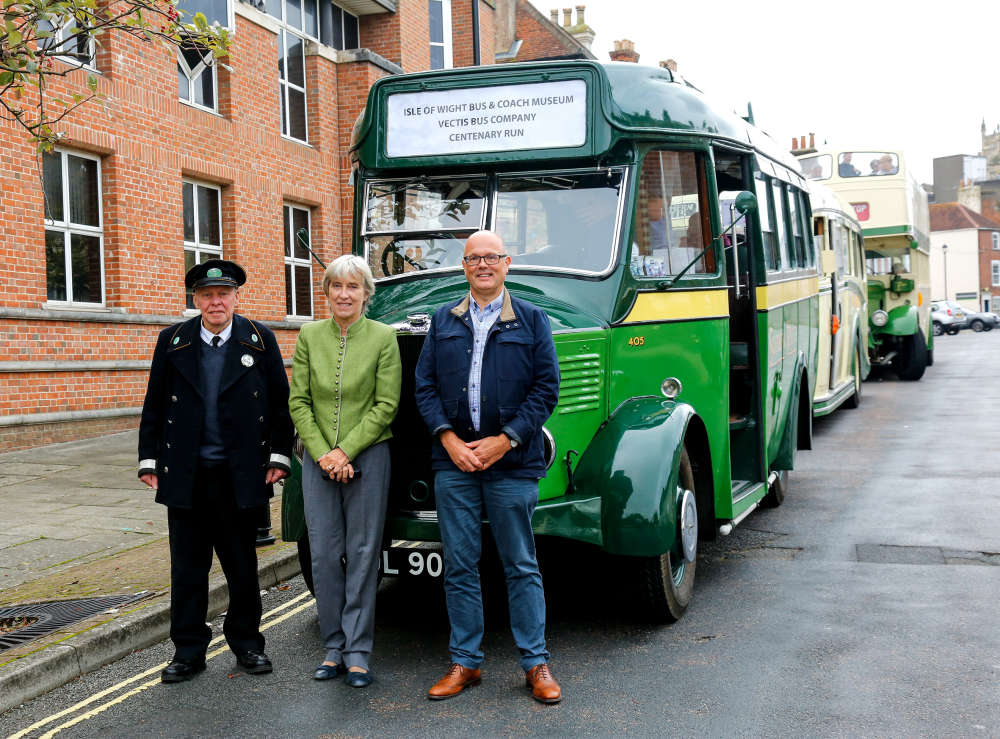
549, 447
880, 318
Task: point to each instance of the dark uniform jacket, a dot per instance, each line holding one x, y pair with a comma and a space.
253, 412
519, 384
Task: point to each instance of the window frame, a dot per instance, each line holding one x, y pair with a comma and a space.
58, 39
995, 273
192, 77
68, 227
292, 261
285, 83
996, 240
447, 42
197, 246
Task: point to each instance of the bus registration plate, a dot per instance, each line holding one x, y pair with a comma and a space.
412, 559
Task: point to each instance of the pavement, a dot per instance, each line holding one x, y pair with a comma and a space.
75, 522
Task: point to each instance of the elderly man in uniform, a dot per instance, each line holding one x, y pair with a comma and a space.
215, 435
486, 381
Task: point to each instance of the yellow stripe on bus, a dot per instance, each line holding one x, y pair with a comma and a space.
771, 296
679, 306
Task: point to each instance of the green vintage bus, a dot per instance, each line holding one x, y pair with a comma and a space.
891, 207
668, 242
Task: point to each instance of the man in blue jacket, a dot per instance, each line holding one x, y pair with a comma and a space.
486, 381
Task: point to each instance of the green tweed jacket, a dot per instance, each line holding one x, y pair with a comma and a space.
344, 392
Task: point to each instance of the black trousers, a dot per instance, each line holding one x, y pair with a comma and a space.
213, 523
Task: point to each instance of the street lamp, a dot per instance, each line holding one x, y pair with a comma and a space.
944, 252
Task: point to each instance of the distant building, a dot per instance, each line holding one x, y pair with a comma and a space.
523, 34
952, 172
965, 257
991, 150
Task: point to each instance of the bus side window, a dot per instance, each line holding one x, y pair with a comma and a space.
765, 207
798, 249
839, 247
669, 229
781, 223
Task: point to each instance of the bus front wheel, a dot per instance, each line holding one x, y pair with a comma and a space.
911, 361
666, 582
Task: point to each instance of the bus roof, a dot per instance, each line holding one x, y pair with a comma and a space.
632, 98
822, 198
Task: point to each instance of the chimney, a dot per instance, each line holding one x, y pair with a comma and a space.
583, 33
567, 17
554, 14
799, 145
669, 64
812, 141
803, 143
624, 52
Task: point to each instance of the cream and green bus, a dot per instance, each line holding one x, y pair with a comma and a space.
892, 209
843, 302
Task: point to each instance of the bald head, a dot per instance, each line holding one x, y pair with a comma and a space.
485, 279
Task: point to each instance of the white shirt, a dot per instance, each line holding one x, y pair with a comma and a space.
223, 335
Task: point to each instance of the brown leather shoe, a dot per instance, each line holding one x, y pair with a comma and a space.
454, 682
544, 687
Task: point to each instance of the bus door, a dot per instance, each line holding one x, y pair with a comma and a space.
732, 175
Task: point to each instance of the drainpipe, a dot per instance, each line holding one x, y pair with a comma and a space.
475, 33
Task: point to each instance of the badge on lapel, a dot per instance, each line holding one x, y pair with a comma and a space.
247, 360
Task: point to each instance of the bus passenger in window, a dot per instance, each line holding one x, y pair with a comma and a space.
875, 167
846, 169
885, 165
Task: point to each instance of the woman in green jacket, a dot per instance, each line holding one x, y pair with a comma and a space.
346, 375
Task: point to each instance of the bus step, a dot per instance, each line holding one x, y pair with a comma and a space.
739, 423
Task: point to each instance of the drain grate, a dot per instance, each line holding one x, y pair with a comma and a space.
45, 618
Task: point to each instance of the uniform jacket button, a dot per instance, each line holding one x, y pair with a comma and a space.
168, 445
261, 419
166, 469
173, 398
256, 393
170, 420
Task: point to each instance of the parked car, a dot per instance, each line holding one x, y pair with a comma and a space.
947, 316
982, 321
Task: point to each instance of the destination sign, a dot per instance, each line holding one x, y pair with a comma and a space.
544, 115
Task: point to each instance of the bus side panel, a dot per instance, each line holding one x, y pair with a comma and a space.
696, 352
824, 381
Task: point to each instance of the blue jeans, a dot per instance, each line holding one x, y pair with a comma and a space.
508, 502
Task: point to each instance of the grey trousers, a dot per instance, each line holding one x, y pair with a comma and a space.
346, 520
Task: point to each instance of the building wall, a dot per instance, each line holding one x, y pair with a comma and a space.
69, 371
962, 264
989, 253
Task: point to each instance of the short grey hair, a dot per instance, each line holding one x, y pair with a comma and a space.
349, 265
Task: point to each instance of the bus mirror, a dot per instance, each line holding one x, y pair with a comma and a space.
746, 202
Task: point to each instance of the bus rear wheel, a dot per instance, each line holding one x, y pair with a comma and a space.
666, 583
911, 361
855, 400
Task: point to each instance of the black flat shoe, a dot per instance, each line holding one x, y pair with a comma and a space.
254, 663
181, 670
329, 672
359, 679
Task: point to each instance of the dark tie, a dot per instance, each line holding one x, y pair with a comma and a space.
215, 342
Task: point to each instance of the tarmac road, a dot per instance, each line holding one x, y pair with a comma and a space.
864, 606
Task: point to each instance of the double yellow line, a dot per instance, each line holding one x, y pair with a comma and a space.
308, 601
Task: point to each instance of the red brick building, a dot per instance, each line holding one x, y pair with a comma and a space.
968, 270
183, 161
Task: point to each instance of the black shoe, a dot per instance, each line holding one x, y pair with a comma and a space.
254, 663
329, 672
359, 679
180, 670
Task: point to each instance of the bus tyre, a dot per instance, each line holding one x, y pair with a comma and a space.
777, 491
305, 562
666, 583
855, 400
911, 361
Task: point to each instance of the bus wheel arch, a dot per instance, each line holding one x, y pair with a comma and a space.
804, 431
700, 457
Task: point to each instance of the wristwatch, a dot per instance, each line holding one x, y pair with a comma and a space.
513, 442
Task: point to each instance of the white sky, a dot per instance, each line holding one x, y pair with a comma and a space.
915, 76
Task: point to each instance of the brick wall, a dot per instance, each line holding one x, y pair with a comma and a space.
148, 142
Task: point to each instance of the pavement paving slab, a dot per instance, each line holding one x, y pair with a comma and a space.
86, 527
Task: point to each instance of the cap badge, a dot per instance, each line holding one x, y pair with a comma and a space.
214, 272
253, 338
176, 339
247, 360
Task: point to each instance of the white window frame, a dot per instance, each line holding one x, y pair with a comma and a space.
193, 75
230, 17
67, 228
447, 39
285, 84
59, 38
995, 273
196, 246
996, 241
292, 261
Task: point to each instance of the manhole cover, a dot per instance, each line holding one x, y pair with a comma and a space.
20, 624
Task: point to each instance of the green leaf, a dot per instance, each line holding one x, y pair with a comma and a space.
43, 34
6, 78
13, 36
77, 97
92, 82
31, 67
